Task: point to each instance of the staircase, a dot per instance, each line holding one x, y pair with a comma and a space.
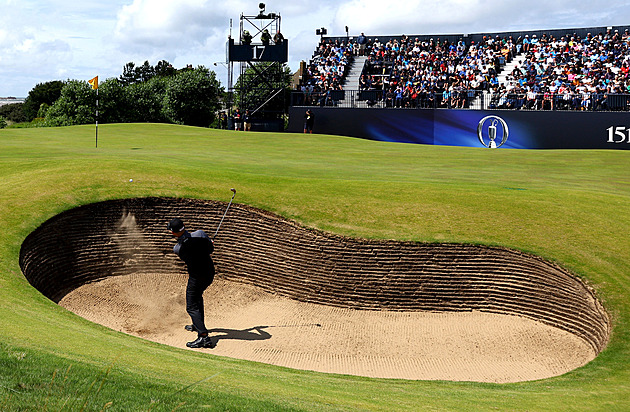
352, 81
506, 70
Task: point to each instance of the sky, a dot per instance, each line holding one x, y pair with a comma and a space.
45, 40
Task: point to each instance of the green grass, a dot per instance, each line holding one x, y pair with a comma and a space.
572, 207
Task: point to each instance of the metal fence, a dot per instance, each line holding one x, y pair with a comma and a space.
465, 99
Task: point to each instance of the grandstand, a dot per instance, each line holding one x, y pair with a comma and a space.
561, 72
565, 69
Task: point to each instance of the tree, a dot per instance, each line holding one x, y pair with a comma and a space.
76, 105
47, 93
142, 94
137, 74
145, 101
129, 74
133, 74
113, 104
192, 97
145, 72
164, 68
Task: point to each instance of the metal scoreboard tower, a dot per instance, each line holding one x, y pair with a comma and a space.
261, 52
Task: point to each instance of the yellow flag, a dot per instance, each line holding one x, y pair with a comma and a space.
94, 83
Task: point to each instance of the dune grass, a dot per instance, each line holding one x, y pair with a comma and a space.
572, 207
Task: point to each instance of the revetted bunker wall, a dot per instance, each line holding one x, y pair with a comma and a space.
256, 247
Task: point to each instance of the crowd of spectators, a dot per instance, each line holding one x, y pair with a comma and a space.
326, 70
415, 73
565, 72
569, 73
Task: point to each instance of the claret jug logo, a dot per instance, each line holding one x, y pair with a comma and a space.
487, 131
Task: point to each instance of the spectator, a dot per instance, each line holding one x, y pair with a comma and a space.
278, 38
247, 38
237, 119
223, 120
309, 121
362, 41
265, 37
247, 121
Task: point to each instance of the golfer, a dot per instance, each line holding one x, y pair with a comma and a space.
195, 249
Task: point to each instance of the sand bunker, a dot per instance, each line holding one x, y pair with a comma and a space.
294, 297
248, 323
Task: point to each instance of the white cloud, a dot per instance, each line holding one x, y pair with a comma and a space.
25, 46
44, 40
183, 32
163, 24
378, 17
25, 49
474, 16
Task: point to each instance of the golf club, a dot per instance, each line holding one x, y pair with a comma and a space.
226, 210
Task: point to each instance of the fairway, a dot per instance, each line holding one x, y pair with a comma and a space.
571, 208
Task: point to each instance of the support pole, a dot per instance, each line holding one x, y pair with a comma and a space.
97, 118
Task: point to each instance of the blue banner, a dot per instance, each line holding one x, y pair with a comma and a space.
474, 128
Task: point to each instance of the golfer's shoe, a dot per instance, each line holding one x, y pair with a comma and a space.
190, 328
202, 342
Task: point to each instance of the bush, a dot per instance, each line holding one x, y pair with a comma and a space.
47, 93
37, 122
145, 101
76, 105
43, 109
188, 97
13, 112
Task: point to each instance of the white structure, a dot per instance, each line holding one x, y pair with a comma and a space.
10, 100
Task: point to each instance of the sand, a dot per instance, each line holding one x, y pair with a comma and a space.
248, 323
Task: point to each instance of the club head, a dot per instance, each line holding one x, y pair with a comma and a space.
233, 190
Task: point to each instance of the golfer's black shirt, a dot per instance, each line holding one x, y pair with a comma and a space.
195, 249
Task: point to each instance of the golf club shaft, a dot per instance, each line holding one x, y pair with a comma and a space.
225, 213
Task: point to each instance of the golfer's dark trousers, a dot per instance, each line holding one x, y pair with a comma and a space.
197, 284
